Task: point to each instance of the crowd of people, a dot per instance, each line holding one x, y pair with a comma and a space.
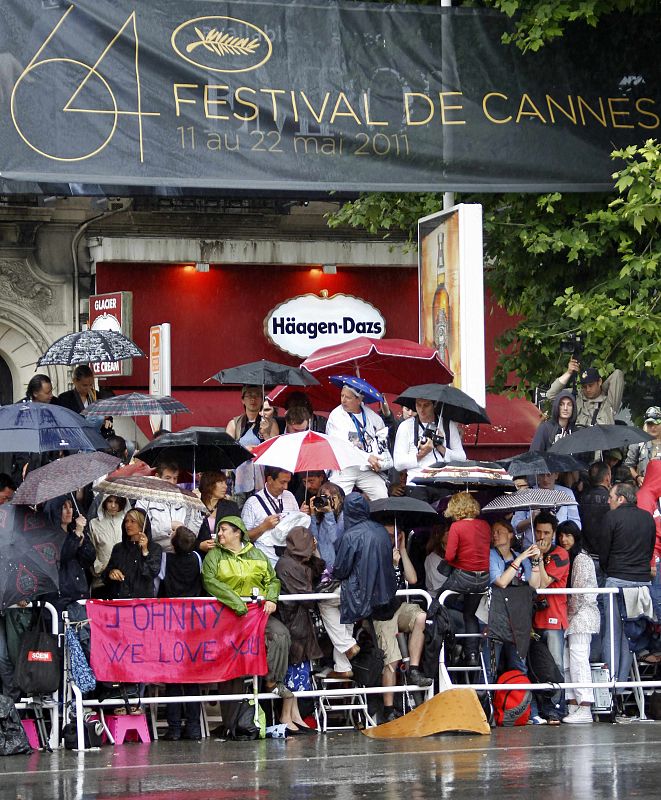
273, 532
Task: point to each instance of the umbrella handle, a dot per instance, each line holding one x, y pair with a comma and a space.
75, 504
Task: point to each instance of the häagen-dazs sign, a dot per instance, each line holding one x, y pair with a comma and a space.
305, 323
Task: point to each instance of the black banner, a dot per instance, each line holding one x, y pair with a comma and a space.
296, 96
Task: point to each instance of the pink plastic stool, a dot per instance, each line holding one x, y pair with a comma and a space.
128, 727
30, 728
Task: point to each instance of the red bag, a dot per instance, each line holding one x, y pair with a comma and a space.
511, 706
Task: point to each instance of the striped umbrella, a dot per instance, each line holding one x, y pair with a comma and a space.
307, 450
152, 490
135, 404
530, 498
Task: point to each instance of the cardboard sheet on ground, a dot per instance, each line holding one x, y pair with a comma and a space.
452, 710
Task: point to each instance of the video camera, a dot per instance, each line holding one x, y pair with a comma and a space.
573, 345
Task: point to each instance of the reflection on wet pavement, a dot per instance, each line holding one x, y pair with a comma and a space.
605, 761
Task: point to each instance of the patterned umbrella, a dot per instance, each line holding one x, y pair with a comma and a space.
307, 450
63, 476
136, 487
369, 392
29, 555
41, 427
470, 474
530, 498
90, 346
265, 373
135, 404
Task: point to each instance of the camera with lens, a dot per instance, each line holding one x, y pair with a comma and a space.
573, 345
431, 434
322, 502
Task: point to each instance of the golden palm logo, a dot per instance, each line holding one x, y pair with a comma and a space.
222, 44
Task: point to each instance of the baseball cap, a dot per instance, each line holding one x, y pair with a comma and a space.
653, 414
590, 375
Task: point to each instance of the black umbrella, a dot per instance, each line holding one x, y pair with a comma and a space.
600, 437
29, 555
407, 511
63, 476
90, 346
541, 464
456, 405
41, 427
196, 449
265, 373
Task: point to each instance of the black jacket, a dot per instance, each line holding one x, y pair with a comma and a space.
626, 543
70, 400
363, 562
183, 576
76, 558
593, 509
550, 431
139, 571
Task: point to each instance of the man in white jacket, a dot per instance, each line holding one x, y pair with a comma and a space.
422, 440
366, 430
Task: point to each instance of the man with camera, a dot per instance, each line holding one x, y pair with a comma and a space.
599, 400
423, 440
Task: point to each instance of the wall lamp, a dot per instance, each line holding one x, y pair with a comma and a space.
201, 266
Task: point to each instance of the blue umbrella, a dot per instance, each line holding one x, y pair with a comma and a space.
370, 394
27, 427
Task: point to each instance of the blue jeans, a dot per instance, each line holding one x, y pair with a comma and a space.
620, 667
554, 707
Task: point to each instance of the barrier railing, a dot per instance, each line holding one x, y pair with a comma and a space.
612, 684
81, 704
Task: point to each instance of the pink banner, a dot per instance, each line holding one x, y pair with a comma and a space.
175, 641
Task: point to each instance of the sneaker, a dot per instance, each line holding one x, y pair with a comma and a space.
582, 716
390, 715
537, 720
280, 690
622, 719
419, 679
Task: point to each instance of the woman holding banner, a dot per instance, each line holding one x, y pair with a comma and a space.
234, 569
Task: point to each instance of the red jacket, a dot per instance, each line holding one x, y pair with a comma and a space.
648, 498
469, 543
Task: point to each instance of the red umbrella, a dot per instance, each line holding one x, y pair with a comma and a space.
307, 450
391, 365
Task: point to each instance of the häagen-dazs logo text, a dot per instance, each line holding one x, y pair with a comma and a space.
222, 44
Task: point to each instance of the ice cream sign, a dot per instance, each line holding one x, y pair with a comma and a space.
303, 324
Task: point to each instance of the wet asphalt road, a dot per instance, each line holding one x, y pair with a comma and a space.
588, 762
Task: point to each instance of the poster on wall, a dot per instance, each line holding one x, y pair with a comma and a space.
112, 312
451, 304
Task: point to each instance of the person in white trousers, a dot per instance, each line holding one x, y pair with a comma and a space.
365, 429
583, 617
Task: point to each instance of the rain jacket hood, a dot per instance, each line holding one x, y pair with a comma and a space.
555, 408
363, 563
550, 430
300, 543
53, 510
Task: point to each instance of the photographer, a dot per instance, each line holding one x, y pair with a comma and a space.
423, 440
327, 520
599, 400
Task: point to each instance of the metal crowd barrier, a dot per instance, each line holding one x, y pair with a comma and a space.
612, 684
81, 704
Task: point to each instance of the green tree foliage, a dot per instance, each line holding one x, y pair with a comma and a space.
539, 21
563, 263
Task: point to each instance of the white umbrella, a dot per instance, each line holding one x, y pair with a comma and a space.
308, 450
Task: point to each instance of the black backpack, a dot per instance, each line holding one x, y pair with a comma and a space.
368, 665
541, 664
439, 631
